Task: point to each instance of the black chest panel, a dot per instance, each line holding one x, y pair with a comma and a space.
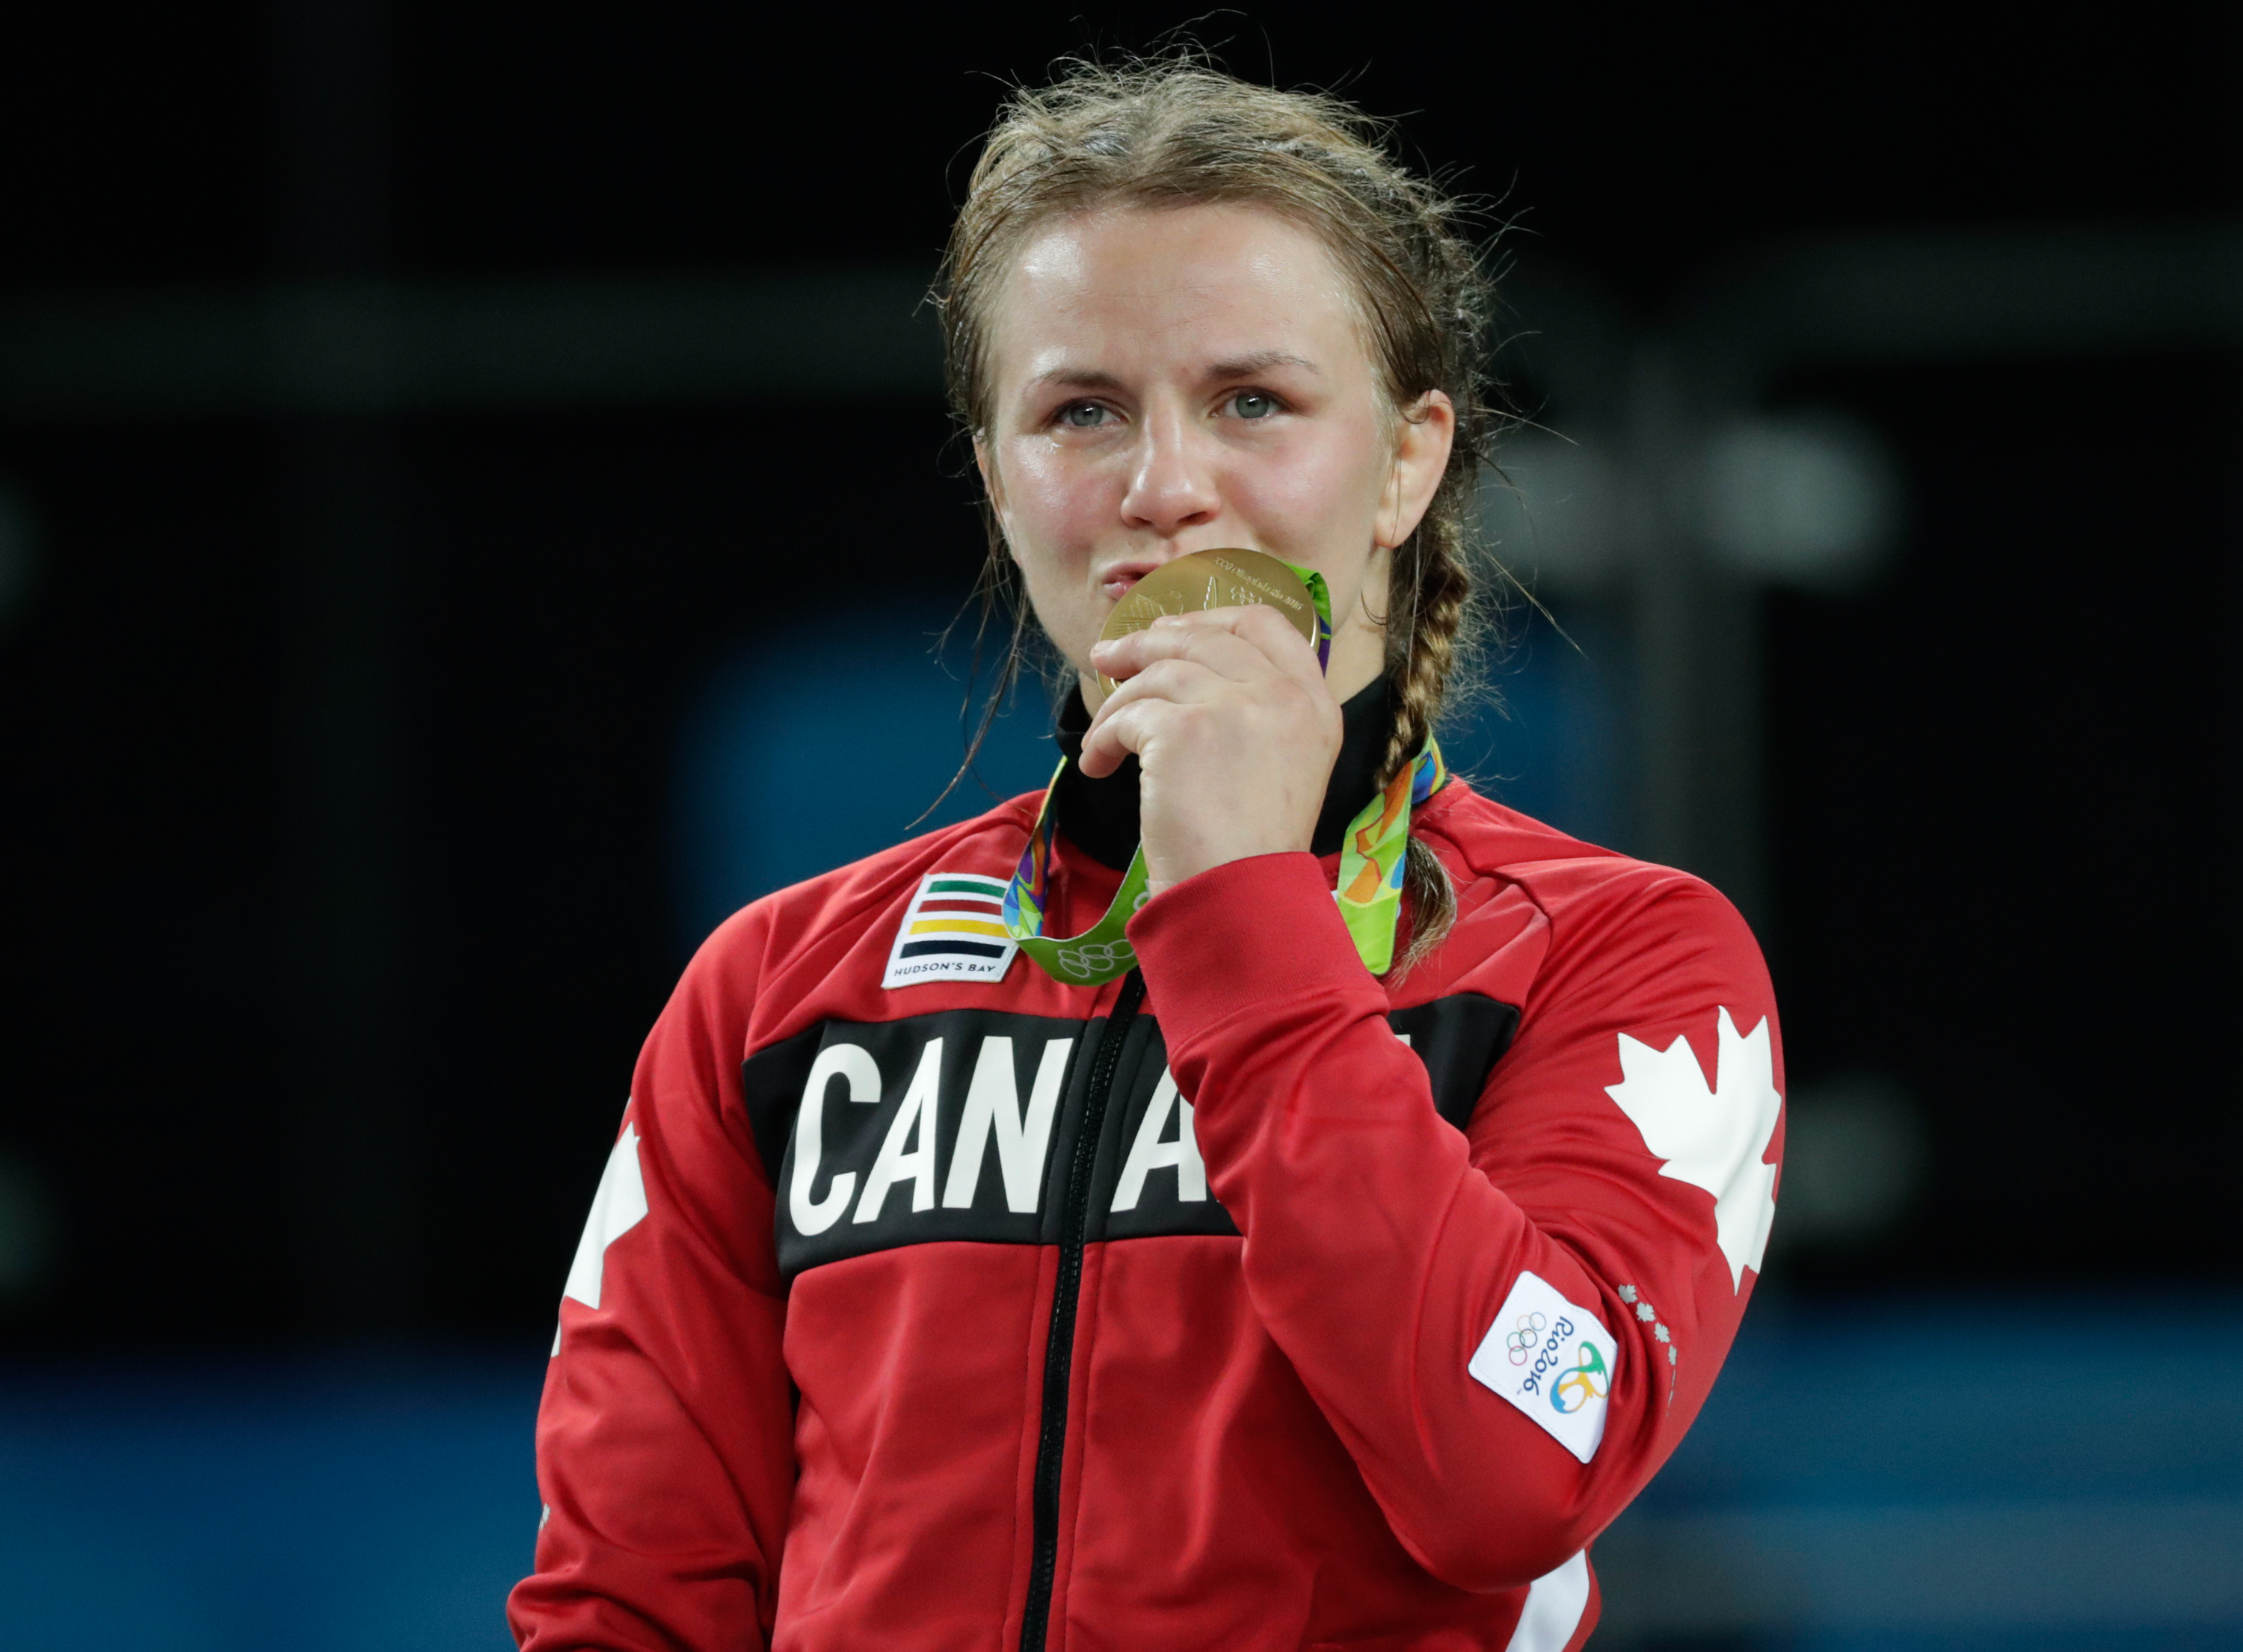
958, 1126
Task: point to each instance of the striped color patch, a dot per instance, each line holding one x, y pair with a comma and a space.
953, 931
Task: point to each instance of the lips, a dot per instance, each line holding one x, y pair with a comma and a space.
1116, 581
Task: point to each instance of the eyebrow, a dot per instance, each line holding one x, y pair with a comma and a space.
1261, 361
1078, 379
1244, 366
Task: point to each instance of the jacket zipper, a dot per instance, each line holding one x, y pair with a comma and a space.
1059, 1348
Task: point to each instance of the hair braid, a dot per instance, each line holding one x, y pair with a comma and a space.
1431, 596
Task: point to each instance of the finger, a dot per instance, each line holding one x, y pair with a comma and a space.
1199, 658
1213, 648
1185, 681
1242, 643
1259, 628
1169, 682
1273, 633
1125, 732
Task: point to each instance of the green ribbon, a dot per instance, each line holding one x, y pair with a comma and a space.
1374, 853
1372, 856
1101, 951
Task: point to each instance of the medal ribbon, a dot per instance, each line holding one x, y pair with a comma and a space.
1375, 851
1372, 858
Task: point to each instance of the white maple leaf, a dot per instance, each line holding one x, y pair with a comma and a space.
1713, 1139
619, 1206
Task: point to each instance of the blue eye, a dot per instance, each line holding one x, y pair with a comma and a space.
1253, 404
1083, 415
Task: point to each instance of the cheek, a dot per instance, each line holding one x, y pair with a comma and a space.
1055, 500
1055, 509
1318, 492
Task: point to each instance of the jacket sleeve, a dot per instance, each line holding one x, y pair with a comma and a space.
1415, 1274
665, 1436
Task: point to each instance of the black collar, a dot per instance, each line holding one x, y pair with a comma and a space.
1100, 816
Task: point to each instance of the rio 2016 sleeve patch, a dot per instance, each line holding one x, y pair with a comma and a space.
1554, 1361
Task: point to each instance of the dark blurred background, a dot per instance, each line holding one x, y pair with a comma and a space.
474, 481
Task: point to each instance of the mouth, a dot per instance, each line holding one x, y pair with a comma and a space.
1115, 581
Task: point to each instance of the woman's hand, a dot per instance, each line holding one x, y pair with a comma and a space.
1234, 730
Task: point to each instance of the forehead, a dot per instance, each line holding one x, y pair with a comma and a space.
1152, 288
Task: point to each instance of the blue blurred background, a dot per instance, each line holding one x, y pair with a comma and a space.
460, 467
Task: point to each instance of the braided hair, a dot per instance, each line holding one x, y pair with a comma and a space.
1177, 132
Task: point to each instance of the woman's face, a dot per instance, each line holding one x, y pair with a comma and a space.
1186, 380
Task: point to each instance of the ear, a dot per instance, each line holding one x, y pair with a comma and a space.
1421, 458
993, 484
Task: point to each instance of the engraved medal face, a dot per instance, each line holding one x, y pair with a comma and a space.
1229, 579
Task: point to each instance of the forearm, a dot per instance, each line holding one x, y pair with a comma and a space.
1381, 1255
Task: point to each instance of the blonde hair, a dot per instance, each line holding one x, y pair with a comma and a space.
1178, 133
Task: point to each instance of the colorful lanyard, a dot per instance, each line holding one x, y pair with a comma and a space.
1372, 858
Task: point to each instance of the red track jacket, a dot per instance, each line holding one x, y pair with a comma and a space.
1246, 1302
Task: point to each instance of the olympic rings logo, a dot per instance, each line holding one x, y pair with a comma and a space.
1521, 1342
1584, 1382
1100, 957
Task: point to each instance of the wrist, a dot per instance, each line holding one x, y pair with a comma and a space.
1169, 864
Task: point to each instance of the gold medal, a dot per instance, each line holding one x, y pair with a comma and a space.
1227, 579
1189, 585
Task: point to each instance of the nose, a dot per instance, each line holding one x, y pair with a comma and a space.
1172, 486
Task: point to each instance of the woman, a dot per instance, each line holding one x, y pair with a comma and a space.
1334, 1275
